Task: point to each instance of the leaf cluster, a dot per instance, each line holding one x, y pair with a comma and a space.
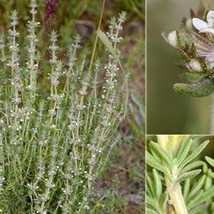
179, 167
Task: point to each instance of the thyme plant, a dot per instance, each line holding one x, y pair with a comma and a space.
176, 182
54, 143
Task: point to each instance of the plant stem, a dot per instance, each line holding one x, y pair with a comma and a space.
96, 39
176, 197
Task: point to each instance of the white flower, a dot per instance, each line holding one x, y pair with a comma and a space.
171, 38
194, 65
203, 26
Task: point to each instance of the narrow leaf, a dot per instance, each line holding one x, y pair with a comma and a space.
153, 163
162, 153
193, 202
201, 198
182, 147
155, 155
183, 152
210, 160
186, 188
197, 187
150, 189
158, 184
208, 183
194, 154
163, 202
212, 175
151, 202
192, 165
197, 210
150, 211
102, 36
188, 175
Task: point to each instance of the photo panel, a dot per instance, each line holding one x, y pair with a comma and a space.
179, 174
179, 67
72, 106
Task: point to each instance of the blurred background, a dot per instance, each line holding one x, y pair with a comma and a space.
167, 111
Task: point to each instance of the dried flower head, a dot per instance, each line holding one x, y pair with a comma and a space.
50, 9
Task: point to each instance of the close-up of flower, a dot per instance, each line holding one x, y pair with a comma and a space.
193, 43
205, 26
196, 47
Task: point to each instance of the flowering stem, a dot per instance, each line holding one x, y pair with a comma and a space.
96, 39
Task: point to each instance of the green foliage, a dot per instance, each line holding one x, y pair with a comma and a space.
137, 110
202, 88
171, 171
57, 120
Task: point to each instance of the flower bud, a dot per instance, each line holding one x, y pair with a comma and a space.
171, 38
194, 65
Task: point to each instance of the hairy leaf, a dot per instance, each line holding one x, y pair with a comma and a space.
109, 46
192, 165
186, 188
188, 175
194, 154
183, 151
153, 163
162, 153
197, 187
202, 88
203, 197
210, 160
150, 211
182, 147
150, 188
152, 203
158, 184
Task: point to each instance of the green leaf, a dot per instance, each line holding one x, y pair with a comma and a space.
212, 174
186, 188
193, 202
150, 188
197, 187
155, 155
202, 88
192, 165
210, 160
198, 210
158, 184
194, 154
10, 186
188, 175
151, 202
150, 211
208, 183
183, 151
102, 36
151, 161
163, 202
182, 147
202, 197
162, 153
